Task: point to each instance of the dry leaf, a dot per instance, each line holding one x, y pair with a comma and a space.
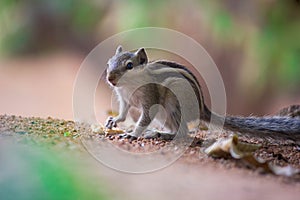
100, 129
231, 147
244, 151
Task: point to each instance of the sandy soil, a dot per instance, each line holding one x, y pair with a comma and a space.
193, 176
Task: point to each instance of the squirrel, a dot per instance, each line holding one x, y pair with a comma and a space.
126, 70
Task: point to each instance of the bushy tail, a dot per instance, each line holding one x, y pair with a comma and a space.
277, 127
272, 126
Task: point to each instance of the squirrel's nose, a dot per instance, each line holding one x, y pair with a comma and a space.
111, 79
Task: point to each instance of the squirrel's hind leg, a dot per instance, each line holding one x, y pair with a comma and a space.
150, 134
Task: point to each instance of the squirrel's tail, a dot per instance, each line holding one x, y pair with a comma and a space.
283, 127
271, 126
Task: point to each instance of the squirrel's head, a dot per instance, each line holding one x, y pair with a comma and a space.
123, 62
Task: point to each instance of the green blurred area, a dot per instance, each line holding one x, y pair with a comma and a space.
31, 171
260, 40
40, 25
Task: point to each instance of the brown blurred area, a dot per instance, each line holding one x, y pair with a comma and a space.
255, 45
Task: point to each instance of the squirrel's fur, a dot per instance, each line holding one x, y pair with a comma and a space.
142, 84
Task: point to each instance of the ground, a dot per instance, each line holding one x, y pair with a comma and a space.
194, 175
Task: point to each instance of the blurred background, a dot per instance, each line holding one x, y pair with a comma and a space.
255, 44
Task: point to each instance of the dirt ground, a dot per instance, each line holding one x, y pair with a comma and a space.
195, 175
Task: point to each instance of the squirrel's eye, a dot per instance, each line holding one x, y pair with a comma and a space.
129, 65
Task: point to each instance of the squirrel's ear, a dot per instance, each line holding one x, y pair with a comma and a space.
142, 56
119, 49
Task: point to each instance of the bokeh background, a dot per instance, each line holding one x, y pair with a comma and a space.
255, 44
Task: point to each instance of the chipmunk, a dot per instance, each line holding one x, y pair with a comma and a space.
142, 84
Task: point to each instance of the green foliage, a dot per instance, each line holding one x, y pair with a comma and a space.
223, 24
275, 38
278, 44
141, 13
40, 173
40, 24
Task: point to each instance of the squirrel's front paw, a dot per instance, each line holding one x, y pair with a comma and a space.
110, 123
